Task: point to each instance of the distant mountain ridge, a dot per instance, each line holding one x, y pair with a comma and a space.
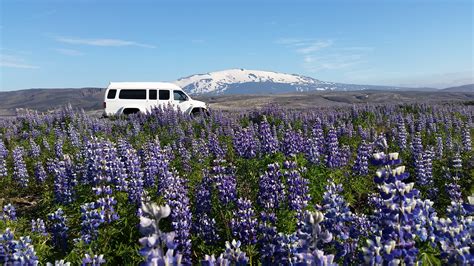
463, 88
45, 99
243, 81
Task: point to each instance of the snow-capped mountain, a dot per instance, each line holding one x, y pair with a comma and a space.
249, 81
241, 81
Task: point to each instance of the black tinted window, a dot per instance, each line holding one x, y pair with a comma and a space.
164, 94
179, 96
152, 94
111, 94
133, 94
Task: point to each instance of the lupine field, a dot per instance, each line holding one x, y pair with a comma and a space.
362, 185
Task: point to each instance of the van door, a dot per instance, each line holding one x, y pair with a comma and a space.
181, 100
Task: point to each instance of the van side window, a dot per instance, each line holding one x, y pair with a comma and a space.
152, 95
111, 94
133, 94
164, 94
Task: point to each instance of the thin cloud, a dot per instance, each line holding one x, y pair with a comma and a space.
103, 42
323, 54
10, 61
331, 62
70, 52
314, 46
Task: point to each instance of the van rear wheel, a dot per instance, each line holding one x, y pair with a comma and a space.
129, 111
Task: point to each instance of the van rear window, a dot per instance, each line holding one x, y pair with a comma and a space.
111, 94
133, 94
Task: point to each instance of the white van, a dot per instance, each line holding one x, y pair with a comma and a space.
133, 97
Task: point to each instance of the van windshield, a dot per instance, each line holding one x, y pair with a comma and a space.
179, 96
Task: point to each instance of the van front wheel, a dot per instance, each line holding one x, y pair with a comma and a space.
199, 112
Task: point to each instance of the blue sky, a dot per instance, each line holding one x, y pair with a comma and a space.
89, 43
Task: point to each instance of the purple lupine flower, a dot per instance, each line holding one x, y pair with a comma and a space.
455, 233
16, 252
344, 225
58, 229
457, 163
90, 222
298, 188
333, 156
3, 160
402, 133
73, 136
344, 155
215, 147
286, 247
449, 141
204, 226
268, 141
64, 179
397, 215
40, 173
428, 156
46, 145
199, 150
271, 188
93, 260
234, 255
103, 167
176, 196
310, 236
439, 147
152, 152
452, 187
9, 213
38, 226
466, 138
424, 171
417, 146
318, 135
106, 208
420, 170
20, 174
312, 150
132, 163
292, 143
154, 240
244, 223
245, 143
185, 157
59, 263
226, 184
35, 149
361, 165
268, 234
58, 148
231, 256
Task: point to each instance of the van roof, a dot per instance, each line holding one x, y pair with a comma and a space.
142, 85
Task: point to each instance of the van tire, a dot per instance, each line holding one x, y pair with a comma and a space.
199, 111
129, 111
